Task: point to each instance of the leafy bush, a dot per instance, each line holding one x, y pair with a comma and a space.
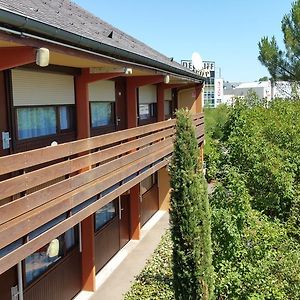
215, 119
264, 144
254, 258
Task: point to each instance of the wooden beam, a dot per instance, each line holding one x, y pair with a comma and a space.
88, 254
31, 201
173, 85
22, 225
26, 249
82, 107
92, 77
138, 81
87, 225
198, 98
39, 156
187, 86
131, 98
160, 102
135, 225
12, 57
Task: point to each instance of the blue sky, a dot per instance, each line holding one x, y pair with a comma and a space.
226, 31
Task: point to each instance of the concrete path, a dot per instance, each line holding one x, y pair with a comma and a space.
115, 279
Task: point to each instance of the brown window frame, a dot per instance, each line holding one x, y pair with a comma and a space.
98, 130
66, 253
98, 229
59, 131
152, 116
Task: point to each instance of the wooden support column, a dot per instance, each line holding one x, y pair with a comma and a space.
198, 97
132, 83
131, 97
135, 226
82, 107
164, 189
88, 254
12, 57
160, 102
87, 225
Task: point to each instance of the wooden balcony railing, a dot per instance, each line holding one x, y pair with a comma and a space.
52, 189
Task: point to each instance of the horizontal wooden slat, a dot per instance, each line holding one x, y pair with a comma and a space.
27, 159
27, 222
28, 213
22, 252
26, 181
198, 122
22, 205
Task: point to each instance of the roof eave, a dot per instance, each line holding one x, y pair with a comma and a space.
26, 24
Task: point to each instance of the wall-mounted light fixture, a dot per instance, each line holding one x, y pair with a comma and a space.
42, 57
166, 79
128, 71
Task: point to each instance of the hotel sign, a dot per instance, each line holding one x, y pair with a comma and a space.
208, 67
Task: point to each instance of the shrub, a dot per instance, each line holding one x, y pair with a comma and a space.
189, 217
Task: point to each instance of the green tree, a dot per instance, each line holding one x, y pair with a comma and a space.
265, 78
189, 217
215, 119
254, 257
284, 65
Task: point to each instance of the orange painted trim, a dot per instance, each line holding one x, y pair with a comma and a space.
12, 57
82, 107
138, 81
131, 101
88, 254
198, 98
160, 102
135, 225
173, 85
198, 88
92, 77
87, 226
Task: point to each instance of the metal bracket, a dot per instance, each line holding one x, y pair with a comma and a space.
14, 293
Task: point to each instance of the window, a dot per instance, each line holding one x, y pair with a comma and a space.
66, 117
147, 183
41, 260
102, 114
147, 111
40, 121
36, 121
105, 214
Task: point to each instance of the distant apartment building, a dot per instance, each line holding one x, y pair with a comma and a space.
263, 90
213, 89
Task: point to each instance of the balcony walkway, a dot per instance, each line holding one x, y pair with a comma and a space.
115, 279
45, 192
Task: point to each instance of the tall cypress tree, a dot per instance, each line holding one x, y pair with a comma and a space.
189, 216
